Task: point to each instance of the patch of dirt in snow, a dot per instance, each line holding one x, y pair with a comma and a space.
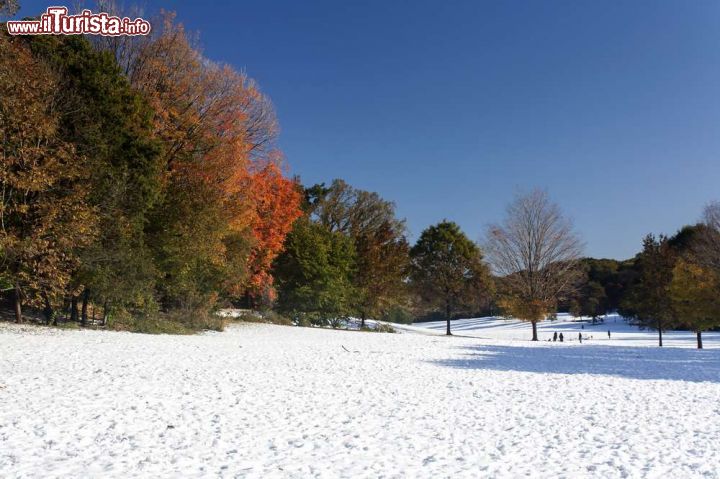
273, 401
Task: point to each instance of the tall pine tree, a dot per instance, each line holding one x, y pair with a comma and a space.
648, 299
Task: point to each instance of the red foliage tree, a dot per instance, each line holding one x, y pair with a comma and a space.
276, 206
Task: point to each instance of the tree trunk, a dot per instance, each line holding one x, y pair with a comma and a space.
18, 305
73, 309
83, 316
362, 320
699, 339
447, 318
534, 326
47, 310
660, 333
105, 313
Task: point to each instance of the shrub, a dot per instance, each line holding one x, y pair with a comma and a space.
268, 317
398, 314
378, 328
384, 328
173, 322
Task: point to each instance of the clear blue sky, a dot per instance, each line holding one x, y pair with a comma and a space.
448, 108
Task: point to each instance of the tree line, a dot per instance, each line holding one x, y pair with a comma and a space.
137, 176
676, 280
143, 180
348, 256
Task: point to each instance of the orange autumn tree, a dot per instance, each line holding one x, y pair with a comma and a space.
227, 206
276, 201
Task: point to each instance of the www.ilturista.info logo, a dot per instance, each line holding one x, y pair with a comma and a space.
56, 21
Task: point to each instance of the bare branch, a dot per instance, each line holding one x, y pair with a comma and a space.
535, 251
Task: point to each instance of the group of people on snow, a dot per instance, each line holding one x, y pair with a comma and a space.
560, 337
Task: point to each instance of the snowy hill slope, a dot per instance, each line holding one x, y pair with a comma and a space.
622, 333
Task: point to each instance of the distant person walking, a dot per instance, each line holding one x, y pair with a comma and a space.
561, 337
555, 336
608, 334
580, 337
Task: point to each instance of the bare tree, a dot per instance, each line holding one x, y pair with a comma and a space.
206, 96
9, 8
535, 252
706, 248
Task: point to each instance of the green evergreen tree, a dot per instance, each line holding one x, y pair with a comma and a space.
592, 300
648, 299
314, 274
613, 276
447, 270
575, 308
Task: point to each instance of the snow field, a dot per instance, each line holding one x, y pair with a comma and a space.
272, 401
622, 333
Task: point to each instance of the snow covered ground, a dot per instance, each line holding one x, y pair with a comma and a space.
621, 333
273, 401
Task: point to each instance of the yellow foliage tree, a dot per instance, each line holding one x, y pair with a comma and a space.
695, 293
44, 215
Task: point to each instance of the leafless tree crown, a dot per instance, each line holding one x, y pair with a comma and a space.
177, 50
707, 248
535, 249
9, 7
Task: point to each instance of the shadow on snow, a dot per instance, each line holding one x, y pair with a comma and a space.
673, 364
